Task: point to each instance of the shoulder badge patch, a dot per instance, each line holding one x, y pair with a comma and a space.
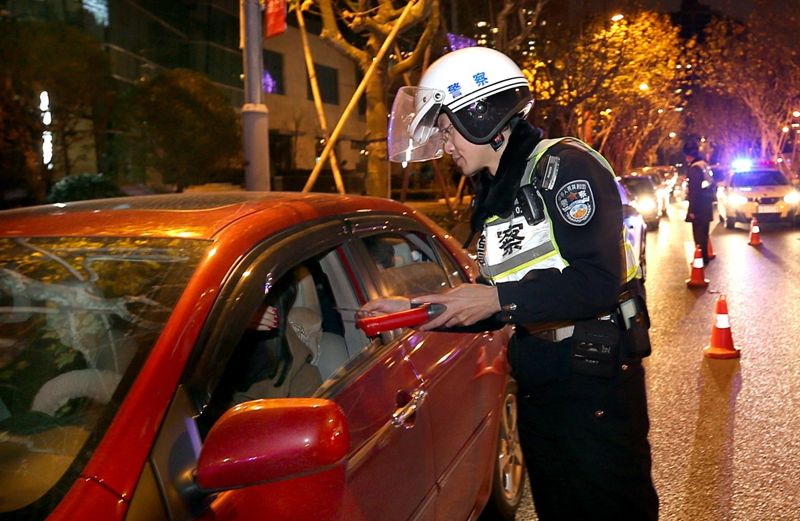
575, 201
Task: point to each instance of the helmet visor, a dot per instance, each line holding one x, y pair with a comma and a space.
482, 119
413, 135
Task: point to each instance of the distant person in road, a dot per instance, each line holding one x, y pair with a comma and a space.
701, 192
554, 262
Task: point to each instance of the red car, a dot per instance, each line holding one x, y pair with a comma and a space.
199, 357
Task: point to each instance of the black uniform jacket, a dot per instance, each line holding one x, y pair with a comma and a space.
701, 200
589, 286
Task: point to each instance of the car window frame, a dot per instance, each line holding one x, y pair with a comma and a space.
364, 226
275, 256
268, 260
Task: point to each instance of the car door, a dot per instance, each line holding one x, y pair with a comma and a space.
388, 473
463, 374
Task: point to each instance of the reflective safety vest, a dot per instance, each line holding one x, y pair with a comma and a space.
510, 247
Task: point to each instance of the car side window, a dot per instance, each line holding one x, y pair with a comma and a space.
407, 264
281, 341
297, 335
455, 274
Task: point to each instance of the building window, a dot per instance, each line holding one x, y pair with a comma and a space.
272, 80
281, 152
328, 80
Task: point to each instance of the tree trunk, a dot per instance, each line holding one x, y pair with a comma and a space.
377, 179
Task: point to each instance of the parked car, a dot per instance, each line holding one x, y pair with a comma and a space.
666, 178
648, 199
198, 356
635, 230
757, 190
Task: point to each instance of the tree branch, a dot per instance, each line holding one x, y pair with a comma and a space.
416, 56
331, 32
525, 30
381, 23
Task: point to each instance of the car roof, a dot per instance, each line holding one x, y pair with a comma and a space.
637, 179
193, 215
755, 170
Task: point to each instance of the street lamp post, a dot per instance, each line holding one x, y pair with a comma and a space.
255, 116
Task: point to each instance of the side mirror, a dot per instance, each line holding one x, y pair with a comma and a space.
269, 440
376, 325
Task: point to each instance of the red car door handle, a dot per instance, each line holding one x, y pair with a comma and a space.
404, 415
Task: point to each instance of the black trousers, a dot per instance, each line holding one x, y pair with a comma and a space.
700, 235
586, 449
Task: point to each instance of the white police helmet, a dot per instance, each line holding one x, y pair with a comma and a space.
479, 89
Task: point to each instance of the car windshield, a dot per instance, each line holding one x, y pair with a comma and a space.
639, 185
79, 316
758, 178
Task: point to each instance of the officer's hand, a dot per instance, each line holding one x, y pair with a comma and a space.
464, 305
384, 305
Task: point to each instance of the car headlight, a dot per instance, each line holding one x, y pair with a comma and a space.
792, 198
646, 204
737, 200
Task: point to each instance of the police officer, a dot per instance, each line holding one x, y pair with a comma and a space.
701, 192
552, 251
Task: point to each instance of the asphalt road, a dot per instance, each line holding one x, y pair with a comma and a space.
725, 434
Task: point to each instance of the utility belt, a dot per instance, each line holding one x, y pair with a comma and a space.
557, 334
601, 345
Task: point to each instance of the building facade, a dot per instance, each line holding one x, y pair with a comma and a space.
143, 37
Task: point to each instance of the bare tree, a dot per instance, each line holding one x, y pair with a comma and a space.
517, 22
611, 83
367, 23
758, 64
732, 134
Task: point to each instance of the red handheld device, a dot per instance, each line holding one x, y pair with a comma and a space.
408, 318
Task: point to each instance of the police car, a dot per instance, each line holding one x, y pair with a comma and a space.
756, 189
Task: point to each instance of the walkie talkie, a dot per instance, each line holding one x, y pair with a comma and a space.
531, 204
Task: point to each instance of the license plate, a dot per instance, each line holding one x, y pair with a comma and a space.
768, 208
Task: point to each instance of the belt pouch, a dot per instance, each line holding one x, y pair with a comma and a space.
595, 348
635, 320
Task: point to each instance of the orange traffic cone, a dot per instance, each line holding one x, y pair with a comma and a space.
710, 251
721, 340
697, 278
755, 233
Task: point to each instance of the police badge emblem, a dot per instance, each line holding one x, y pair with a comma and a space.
575, 202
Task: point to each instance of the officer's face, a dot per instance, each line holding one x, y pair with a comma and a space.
468, 157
